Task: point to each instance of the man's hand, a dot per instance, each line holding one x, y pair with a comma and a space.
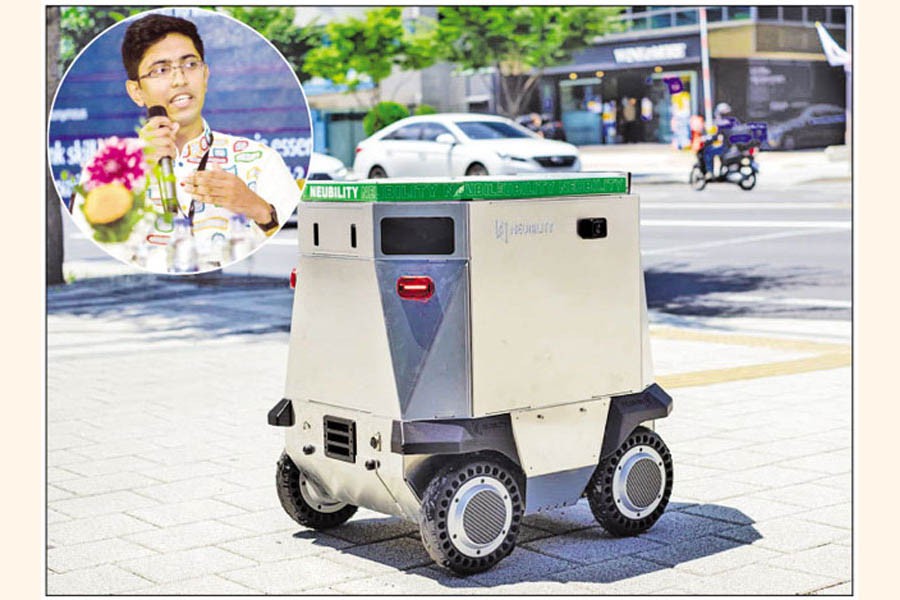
228, 191
159, 135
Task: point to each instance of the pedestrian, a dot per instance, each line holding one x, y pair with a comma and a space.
697, 125
629, 116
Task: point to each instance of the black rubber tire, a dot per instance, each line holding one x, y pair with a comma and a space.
600, 494
433, 516
748, 183
476, 170
287, 482
697, 179
377, 172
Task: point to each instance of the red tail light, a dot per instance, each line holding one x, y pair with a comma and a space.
417, 288
753, 151
294, 278
358, 149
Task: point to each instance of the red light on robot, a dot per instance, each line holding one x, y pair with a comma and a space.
418, 288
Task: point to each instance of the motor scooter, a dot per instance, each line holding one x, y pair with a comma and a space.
738, 164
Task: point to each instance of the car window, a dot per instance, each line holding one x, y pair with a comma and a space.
407, 132
430, 131
490, 130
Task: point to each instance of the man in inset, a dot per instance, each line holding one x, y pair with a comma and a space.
219, 176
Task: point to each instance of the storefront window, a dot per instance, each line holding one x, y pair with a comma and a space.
581, 108
713, 14
792, 13
815, 13
661, 21
768, 12
838, 15
640, 23
687, 17
738, 12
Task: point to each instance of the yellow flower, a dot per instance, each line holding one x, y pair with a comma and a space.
107, 203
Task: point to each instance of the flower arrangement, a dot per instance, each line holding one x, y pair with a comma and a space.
112, 186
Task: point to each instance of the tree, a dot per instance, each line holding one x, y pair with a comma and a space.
519, 42
54, 256
276, 24
79, 25
356, 50
69, 30
382, 115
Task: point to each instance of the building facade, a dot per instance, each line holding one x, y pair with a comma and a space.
644, 84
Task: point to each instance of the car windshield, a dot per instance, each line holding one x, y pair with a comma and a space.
490, 130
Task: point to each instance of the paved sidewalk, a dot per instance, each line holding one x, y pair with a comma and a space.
161, 464
660, 163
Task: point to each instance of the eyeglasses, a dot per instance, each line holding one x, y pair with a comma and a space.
162, 70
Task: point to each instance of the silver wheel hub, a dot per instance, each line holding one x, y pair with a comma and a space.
314, 496
479, 516
639, 481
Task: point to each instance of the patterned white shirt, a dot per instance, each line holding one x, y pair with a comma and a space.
257, 165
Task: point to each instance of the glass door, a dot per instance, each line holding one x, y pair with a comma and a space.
581, 105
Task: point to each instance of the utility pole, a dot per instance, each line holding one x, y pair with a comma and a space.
704, 61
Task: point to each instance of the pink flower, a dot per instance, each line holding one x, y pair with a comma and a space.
117, 161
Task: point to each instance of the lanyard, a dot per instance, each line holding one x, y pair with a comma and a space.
201, 167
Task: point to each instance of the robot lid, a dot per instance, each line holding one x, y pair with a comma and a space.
442, 189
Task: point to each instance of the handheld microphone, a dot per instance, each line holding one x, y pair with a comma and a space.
167, 181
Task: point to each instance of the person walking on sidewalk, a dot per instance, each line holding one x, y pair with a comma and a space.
629, 116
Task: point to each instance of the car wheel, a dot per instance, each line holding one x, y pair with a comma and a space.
630, 489
304, 502
476, 170
377, 172
470, 516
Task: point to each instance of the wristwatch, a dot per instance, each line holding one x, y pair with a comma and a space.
272, 226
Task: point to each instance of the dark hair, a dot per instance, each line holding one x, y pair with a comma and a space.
148, 30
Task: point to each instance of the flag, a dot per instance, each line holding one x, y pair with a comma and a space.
836, 55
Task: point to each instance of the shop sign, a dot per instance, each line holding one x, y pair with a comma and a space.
639, 54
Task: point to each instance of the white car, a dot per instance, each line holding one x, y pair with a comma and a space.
460, 144
324, 167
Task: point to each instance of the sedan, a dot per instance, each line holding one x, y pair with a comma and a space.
452, 145
323, 168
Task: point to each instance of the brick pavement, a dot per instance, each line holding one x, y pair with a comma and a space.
160, 466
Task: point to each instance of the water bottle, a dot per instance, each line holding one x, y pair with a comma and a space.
182, 250
219, 252
241, 242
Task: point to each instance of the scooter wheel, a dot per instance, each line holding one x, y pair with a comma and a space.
470, 516
630, 489
303, 500
697, 179
747, 183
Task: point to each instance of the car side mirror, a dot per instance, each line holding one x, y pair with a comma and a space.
446, 138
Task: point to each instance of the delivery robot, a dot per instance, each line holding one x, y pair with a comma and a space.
464, 352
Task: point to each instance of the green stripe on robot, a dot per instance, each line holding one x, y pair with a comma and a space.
480, 189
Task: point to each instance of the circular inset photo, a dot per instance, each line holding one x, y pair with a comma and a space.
179, 140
